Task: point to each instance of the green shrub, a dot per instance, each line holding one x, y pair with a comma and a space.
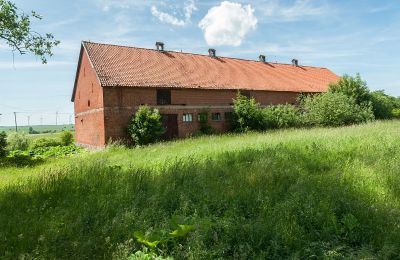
334, 109
353, 87
145, 126
55, 151
382, 104
396, 112
17, 141
281, 116
3, 144
44, 142
32, 131
19, 158
205, 127
67, 138
248, 114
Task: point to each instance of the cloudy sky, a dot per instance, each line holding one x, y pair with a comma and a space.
347, 36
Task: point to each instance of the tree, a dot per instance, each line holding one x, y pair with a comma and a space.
67, 138
3, 144
382, 104
145, 126
334, 109
353, 87
16, 31
248, 114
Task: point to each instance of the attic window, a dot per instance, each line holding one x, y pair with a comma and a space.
163, 97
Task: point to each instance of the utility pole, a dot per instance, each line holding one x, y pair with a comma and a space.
57, 118
41, 120
29, 120
15, 119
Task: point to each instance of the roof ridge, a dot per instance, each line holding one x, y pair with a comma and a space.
198, 54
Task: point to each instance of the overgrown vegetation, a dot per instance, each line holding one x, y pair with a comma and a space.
205, 127
67, 138
347, 102
3, 144
281, 116
146, 126
17, 150
248, 114
318, 193
357, 89
334, 109
17, 141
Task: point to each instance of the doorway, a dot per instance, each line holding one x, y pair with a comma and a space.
170, 123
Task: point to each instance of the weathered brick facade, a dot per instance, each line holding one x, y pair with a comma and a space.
102, 112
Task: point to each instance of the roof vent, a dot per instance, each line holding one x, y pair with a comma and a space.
212, 53
262, 58
160, 46
295, 62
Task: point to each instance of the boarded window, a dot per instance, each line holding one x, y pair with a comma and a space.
202, 117
187, 117
216, 116
163, 97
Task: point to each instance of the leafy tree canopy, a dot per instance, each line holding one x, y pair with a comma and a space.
353, 87
16, 31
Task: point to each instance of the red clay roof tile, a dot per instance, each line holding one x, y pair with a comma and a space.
138, 67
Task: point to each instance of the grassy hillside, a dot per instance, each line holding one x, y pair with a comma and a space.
317, 193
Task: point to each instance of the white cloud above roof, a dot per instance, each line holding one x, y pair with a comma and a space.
228, 24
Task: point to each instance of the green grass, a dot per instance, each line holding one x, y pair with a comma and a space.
319, 193
40, 128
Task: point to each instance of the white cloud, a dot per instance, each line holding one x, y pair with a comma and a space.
300, 9
189, 8
228, 24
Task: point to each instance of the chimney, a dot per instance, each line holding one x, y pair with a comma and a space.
212, 53
262, 58
295, 62
160, 46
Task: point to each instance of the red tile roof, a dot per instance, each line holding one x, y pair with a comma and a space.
138, 67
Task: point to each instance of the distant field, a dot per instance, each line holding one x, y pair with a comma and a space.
292, 194
39, 128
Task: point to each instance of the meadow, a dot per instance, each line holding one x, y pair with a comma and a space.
299, 193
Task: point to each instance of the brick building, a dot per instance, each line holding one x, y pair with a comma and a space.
112, 81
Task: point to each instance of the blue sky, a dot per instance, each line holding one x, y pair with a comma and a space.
347, 36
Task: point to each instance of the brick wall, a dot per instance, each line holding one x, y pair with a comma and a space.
88, 106
121, 104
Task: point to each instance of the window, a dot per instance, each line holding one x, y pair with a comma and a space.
163, 97
228, 116
216, 116
187, 117
202, 117
88, 103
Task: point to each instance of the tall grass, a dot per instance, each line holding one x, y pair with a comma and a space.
288, 194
